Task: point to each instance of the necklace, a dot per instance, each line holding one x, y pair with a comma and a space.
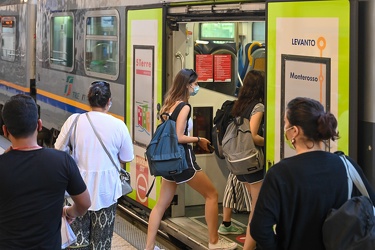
26, 147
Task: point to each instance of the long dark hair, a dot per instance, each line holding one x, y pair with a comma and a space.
309, 114
179, 89
252, 89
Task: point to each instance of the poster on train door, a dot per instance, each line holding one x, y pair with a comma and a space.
144, 78
307, 75
308, 56
143, 86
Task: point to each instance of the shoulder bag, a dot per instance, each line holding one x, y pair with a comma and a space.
124, 175
352, 226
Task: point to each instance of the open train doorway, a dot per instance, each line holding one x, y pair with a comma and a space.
221, 48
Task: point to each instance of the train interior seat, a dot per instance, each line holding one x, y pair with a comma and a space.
258, 59
250, 56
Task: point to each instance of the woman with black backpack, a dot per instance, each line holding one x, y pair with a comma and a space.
299, 191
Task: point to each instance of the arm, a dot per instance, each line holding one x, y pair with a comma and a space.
77, 189
266, 214
180, 130
255, 122
126, 152
64, 132
81, 203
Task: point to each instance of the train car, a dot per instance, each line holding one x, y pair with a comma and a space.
53, 50
17, 48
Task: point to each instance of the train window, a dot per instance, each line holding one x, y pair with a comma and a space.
102, 44
8, 41
217, 32
259, 31
61, 41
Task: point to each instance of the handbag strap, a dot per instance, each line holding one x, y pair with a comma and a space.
354, 177
67, 137
101, 142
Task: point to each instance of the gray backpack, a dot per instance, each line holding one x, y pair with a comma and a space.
241, 154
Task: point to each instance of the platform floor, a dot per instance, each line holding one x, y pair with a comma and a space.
118, 243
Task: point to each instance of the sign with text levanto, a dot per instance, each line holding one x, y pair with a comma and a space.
308, 55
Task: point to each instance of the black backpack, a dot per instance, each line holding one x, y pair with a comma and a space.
221, 121
351, 226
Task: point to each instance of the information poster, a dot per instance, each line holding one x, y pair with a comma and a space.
303, 76
143, 85
222, 68
204, 67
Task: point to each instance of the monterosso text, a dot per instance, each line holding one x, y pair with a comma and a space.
303, 77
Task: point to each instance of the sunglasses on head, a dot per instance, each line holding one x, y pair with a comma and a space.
189, 72
100, 83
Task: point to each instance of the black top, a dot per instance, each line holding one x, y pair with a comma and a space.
296, 195
32, 187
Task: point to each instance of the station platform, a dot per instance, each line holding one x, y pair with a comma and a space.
126, 236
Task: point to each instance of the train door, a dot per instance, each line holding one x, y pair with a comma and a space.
144, 70
221, 48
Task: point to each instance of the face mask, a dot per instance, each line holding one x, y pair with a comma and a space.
195, 91
290, 144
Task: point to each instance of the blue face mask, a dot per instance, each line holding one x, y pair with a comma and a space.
195, 90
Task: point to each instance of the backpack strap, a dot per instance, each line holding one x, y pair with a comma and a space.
247, 113
177, 111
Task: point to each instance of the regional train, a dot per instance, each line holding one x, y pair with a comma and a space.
53, 50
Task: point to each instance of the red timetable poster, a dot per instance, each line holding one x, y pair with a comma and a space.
222, 68
204, 67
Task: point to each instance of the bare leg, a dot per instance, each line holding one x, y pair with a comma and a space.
202, 184
168, 190
254, 193
227, 214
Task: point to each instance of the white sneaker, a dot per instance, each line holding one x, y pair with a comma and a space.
223, 244
157, 248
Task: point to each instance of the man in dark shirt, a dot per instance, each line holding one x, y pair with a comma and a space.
33, 181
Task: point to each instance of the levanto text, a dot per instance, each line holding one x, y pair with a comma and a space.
303, 42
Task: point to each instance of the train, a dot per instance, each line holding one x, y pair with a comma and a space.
53, 50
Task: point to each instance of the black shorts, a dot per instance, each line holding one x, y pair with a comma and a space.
189, 173
251, 178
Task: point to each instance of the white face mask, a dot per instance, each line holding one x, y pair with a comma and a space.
110, 105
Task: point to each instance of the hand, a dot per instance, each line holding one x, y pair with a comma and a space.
204, 144
69, 218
